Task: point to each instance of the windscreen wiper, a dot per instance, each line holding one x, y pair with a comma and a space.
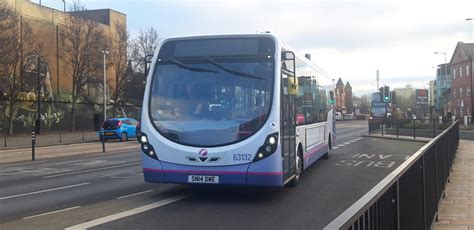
185, 66
242, 74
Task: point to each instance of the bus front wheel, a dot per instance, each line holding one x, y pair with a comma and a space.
298, 170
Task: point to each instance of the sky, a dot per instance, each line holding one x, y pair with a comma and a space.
348, 39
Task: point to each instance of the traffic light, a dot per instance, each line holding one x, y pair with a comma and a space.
332, 99
386, 94
393, 97
381, 94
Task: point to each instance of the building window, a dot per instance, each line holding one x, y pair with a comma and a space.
460, 71
467, 70
468, 91
454, 73
454, 93
460, 91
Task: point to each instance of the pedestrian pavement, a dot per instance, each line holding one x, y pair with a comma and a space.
41, 153
456, 210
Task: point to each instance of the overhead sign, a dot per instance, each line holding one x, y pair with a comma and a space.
422, 97
376, 97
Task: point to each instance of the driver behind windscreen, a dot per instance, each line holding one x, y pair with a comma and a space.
194, 100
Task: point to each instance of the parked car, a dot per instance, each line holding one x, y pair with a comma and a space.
119, 128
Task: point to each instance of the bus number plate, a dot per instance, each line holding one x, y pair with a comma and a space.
203, 179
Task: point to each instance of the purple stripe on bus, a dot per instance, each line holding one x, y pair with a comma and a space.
213, 172
265, 173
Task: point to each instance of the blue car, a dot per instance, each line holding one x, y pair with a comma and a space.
119, 128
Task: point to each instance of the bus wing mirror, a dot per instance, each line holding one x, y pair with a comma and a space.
292, 86
287, 55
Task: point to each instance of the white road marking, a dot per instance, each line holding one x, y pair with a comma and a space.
107, 175
347, 143
91, 170
47, 213
26, 163
43, 191
130, 175
134, 194
31, 170
90, 163
68, 162
124, 214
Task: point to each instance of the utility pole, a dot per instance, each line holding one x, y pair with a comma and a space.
377, 78
105, 53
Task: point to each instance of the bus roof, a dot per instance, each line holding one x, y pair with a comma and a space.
280, 43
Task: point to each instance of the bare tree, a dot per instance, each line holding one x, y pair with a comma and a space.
119, 62
362, 103
82, 40
144, 44
16, 42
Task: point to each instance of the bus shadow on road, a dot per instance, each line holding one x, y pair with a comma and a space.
232, 194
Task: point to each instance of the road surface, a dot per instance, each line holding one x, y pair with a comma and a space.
106, 191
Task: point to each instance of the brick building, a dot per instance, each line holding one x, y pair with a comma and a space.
348, 98
46, 24
340, 94
461, 85
344, 97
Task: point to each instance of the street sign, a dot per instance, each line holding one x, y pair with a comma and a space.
422, 97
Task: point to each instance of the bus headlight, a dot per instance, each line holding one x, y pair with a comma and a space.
143, 139
272, 140
268, 148
147, 148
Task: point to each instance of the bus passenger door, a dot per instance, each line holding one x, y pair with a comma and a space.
288, 125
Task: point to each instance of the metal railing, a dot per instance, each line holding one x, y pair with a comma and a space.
407, 198
45, 139
409, 127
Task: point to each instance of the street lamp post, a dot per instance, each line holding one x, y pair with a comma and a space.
147, 61
105, 53
445, 63
472, 65
472, 20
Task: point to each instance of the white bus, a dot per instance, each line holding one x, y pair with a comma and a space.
233, 109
